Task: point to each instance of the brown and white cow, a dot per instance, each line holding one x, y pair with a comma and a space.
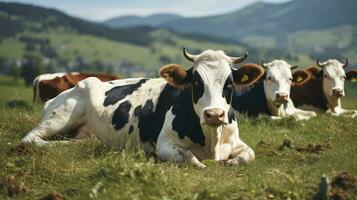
324, 89
48, 86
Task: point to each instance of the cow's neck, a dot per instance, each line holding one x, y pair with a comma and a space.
251, 100
333, 104
213, 137
276, 110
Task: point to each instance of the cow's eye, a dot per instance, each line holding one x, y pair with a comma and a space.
269, 78
343, 77
290, 79
325, 76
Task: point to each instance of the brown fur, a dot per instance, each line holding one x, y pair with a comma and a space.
309, 92
253, 71
351, 75
176, 76
49, 89
302, 74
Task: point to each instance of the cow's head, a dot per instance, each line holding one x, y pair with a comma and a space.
211, 81
277, 81
333, 78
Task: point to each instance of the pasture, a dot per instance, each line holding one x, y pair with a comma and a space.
291, 157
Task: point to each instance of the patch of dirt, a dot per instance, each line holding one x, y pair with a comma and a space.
12, 186
313, 148
20, 150
338, 189
287, 143
54, 196
345, 181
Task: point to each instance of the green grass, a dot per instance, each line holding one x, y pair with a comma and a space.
90, 170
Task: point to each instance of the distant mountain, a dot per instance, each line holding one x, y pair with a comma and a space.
130, 20
68, 43
272, 19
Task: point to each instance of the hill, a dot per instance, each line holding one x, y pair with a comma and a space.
69, 43
129, 21
318, 28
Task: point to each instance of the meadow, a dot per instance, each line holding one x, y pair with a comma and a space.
291, 158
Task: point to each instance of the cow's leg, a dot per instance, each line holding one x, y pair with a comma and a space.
65, 112
348, 113
171, 152
242, 154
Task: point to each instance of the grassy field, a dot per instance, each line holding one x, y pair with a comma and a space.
291, 157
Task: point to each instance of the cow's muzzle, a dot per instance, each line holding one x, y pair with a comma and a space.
214, 117
281, 98
337, 92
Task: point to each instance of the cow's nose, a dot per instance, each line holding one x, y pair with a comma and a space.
337, 92
214, 116
282, 97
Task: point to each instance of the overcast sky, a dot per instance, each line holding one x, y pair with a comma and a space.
99, 10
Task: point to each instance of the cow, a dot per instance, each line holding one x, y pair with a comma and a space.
324, 88
47, 86
186, 114
270, 95
351, 75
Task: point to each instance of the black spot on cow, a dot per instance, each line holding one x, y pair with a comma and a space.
228, 89
198, 87
117, 93
131, 129
121, 115
137, 111
251, 100
150, 120
186, 123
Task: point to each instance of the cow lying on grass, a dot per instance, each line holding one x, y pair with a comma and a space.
186, 113
48, 86
270, 95
324, 88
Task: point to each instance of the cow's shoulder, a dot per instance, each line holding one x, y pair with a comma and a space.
185, 122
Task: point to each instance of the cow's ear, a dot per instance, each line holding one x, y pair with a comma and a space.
177, 76
315, 72
247, 75
351, 76
300, 77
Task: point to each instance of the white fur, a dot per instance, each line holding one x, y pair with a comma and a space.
221, 143
280, 75
334, 78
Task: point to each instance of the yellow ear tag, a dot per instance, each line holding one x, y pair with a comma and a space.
244, 78
299, 79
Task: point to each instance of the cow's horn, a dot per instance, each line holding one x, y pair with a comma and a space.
346, 63
188, 56
318, 63
263, 64
237, 60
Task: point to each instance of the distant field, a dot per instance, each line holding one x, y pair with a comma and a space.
323, 145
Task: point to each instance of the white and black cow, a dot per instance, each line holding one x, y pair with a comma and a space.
189, 109
270, 95
324, 89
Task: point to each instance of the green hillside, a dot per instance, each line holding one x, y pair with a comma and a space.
317, 28
66, 42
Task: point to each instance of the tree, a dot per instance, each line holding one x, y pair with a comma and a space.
32, 67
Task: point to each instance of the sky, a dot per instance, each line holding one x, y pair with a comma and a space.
100, 10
